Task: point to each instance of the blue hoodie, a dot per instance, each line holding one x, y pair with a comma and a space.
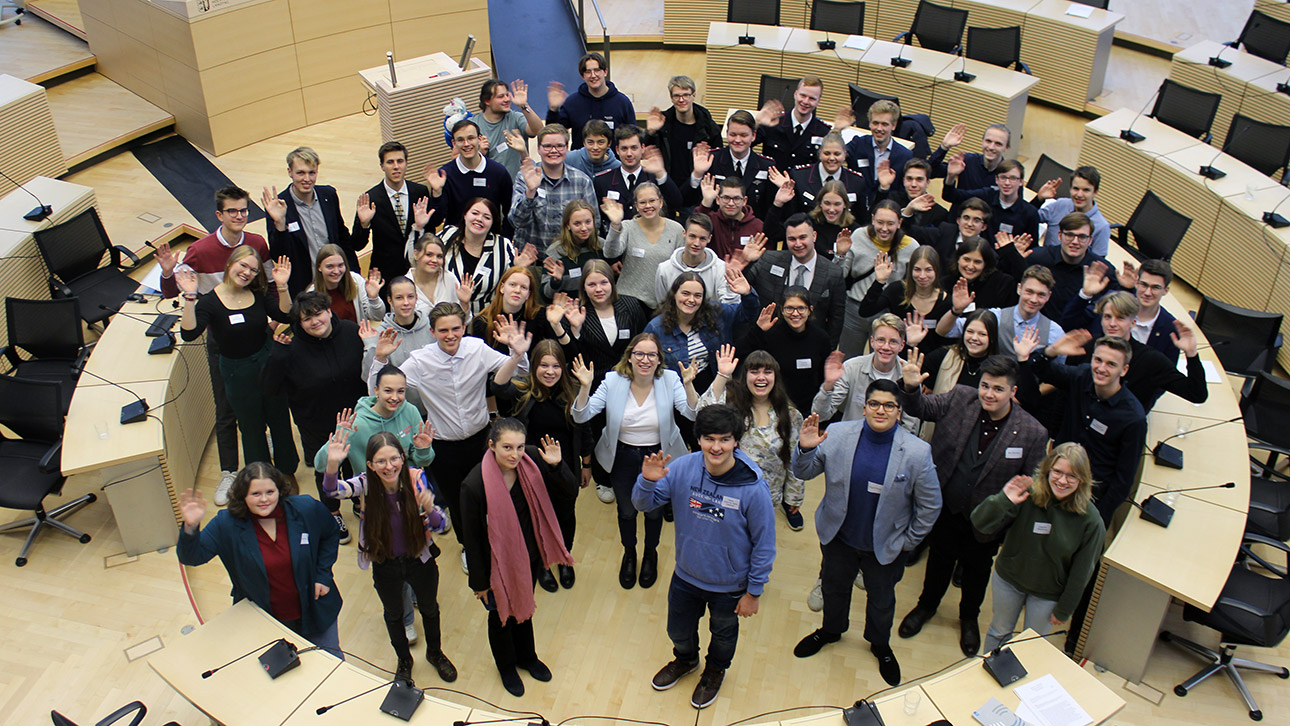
614, 108
725, 531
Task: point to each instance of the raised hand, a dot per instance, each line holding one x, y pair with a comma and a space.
554, 314
575, 314
425, 499
550, 451
777, 177
1023, 345
755, 248
1048, 190
519, 92
166, 259
503, 328
833, 369
652, 162
1018, 489
810, 435
844, 117
527, 256
532, 176
424, 436
554, 268
954, 136
421, 212
1184, 338
186, 279
737, 283
955, 166
435, 179
843, 243
688, 372
709, 188
769, 113
1095, 279
613, 210
274, 207
345, 419
882, 267
555, 94
584, 372
282, 338
1072, 343
701, 156
374, 281
726, 360
465, 290
192, 507
654, 122
337, 449
521, 341
915, 328
655, 466
1127, 276
516, 141
364, 209
961, 297
886, 174
484, 145
1024, 244
1003, 239
767, 319
281, 271
785, 193
386, 343
923, 202
912, 369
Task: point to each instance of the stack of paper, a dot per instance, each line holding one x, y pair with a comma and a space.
1045, 703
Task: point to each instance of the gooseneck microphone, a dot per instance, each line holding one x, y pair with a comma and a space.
42, 210
1157, 511
1171, 456
131, 412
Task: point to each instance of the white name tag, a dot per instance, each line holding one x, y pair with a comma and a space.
541, 193
236, 319
293, 226
743, 241
762, 174
803, 363
1005, 228
609, 123
970, 308
1012, 452
481, 181
304, 538
851, 196
689, 144
777, 271
612, 195
1043, 527
1097, 426
730, 502
875, 488
809, 196
575, 272
638, 252
624, 333
862, 163
816, 140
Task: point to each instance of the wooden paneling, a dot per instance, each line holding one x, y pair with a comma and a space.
314, 19
441, 33
260, 120
685, 22
31, 146
256, 28
320, 62
333, 99
243, 81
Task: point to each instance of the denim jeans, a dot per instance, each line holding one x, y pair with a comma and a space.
627, 466
1008, 604
685, 606
389, 578
841, 564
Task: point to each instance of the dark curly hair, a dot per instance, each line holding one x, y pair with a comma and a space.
242, 483
705, 317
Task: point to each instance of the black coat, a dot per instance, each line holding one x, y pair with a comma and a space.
388, 240
293, 242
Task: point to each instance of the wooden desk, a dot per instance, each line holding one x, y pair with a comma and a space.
347, 681
132, 363
31, 147
1128, 164
242, 693
1191, 67
1068, 54
1201, 467
891, 706
963, 690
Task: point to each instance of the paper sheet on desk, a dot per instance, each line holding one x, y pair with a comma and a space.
1211, 371
1080, 11
152, 280
858, 42
1048, 704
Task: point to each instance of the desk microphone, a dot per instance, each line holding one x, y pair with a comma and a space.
1284, 87
1274, 220
1218, 61
1171, 456
900, 61
270, 658
962, 74
1208, 171
1003, 665
158, 329
41, 212
1156, 511
131, 412
747, 39
1129, 134
401, 702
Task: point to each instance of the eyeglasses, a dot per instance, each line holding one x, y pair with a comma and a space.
236, 212
640, 355
730, 200
552, 147
392, 461
1063, 476
795, 309
1150, 288
1077, 237
1011, 179
888, 406
592, 71
682, 95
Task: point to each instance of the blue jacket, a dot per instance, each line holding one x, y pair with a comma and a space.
860, 157
676, 346
614, 108
725, 534
314, 539
611, 397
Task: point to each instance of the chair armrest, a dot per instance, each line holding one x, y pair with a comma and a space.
58, 289
124, 711
117, 251
1207, 138
1120, 233
81, 358
905, 36
1233, 43
1024, 68
1263, 468
11, 353
51, 462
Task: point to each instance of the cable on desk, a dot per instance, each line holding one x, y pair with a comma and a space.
781, 710
612, 718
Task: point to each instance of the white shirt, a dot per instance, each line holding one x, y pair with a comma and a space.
809, 266
640, 422
610, 326
1141, 331
402, 197
826, 177
453, 388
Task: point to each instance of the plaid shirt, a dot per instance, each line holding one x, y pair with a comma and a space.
537, 220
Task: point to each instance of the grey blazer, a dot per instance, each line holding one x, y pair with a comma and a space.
911, 494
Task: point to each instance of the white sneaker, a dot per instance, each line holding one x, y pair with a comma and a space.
859, 580
605, 494
464, 568
815, 601
221, 489
411, 631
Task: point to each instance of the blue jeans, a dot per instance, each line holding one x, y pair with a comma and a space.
685, 605
1008, 604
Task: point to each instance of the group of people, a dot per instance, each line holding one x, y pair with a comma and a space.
528, 328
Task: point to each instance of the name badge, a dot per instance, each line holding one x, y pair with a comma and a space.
743, 241
541, 193
851, 196
293, 226
1043, 527
862, 163
1005, 228
762, 174
689, 144
304, 538
612, 195
1097, 426
777, 271
236, 319
803, 363
624, 334
638, 252
970, 308
730, 503
816, 140
609, 123
575, 272
808, 195
481, 181
875, 488
1012, 452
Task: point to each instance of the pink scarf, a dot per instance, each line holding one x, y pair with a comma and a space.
512, 578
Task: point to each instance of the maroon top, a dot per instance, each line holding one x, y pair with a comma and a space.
340, 307
284, 598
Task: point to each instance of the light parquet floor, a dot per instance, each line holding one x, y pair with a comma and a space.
37, 50
94, 114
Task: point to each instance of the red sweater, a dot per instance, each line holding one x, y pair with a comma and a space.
208, 257
730, 235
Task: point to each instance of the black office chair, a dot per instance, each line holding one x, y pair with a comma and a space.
997, 46
1101, 4
1269, 512
1153, 231
29, 466
1253, 609
1186, 109
73, 252
936, 27
1263, 406
838, 16
862, 99
135, 709
778, 88
1264, 146
1245, 341
753, 12
50, 332
1266, 37
1045, 170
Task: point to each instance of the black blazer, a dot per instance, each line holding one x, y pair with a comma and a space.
860, 156
294, 242
807, 182
757, 186
786, 148
897, 194
769, 276
942, 237
388, 241
597, 349
611, 180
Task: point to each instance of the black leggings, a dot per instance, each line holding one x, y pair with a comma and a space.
388, 578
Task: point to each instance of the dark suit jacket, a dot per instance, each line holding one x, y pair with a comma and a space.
807, 181
294, 242
757, 184
769, 275
860, 157
941, 237
897, 194
611, 180
388, 241
786, 148
1018, 448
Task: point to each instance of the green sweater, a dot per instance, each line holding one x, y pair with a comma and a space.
404, 424
1053, 566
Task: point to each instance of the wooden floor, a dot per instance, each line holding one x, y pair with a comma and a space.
36, 50
93, 114
76, 609
64, 13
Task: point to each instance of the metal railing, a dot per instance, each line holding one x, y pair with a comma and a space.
582, 30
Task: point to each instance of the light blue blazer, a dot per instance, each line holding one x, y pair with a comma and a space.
611, 397
911, 494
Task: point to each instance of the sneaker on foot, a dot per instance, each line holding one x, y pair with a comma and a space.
447, 520
859, 580
709, 686
811, 644
464, 568
815, 601
344, 531
795, 521
669, 674
221, 489
605, 494
410, 630
444, 667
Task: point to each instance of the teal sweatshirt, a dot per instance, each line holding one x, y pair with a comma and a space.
404, 424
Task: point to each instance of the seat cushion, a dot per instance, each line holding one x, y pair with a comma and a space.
1265, 593
22, 484
1269, 509
105, 286
56, 370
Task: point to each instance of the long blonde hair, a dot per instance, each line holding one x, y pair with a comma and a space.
1041, 492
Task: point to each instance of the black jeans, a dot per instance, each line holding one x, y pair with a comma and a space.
388, 578
841, 563
225, 421
453, 460
512, 641
627, 466
952, 541
311, 440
